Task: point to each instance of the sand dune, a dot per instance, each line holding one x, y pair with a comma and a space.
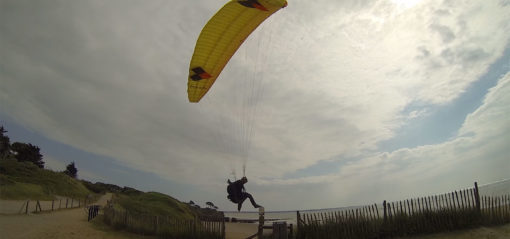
73, 223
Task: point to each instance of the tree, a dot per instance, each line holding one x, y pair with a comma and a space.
210, 205
71, 170
4, 143
27, 152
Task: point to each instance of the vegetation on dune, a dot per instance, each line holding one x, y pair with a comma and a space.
22, 180
153, 203
22, 176
71, 170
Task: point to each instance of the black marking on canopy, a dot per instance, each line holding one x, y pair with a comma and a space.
252, 4
200, 74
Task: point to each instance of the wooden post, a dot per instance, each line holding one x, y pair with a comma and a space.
457, 198
261, 223
384, 227
298, 219
385, 218
223, 233
26, 209
280, 230
67, 202
52, 203
472, 203
477, 198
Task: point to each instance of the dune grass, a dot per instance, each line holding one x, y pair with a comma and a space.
24, 180
153, 203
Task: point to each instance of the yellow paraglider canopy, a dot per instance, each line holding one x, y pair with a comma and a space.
220, 39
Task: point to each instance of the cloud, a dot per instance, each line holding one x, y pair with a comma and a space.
490, 119
333, 79
477, 153
446, 33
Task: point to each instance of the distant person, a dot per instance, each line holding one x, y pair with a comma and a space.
237, 193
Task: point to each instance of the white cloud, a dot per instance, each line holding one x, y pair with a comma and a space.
478, 153
110, 78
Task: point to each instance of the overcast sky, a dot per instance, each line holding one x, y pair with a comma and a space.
328, 103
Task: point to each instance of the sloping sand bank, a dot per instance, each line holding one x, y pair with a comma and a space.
498, 232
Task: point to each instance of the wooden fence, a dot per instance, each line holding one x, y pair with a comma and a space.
446, 212
47, 206
165, 227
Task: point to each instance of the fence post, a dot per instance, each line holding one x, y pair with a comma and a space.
52, 204
261, 223
280, 230
477, 198
223, 233
385, 213
298, 219
26, 209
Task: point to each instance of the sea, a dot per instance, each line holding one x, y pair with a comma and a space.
281, 216
498, 188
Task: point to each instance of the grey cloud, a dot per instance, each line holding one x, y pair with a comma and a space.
444, 32
442, 12
471, 56
464, 57
423, 53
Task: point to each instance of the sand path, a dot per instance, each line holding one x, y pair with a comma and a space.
71, 223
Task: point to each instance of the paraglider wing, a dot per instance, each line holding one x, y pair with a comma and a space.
220, 39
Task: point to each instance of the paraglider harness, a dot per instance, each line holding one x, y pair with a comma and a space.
232, 192
235, 190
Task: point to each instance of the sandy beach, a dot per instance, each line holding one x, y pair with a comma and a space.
497, 232
72, 223
240, 230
